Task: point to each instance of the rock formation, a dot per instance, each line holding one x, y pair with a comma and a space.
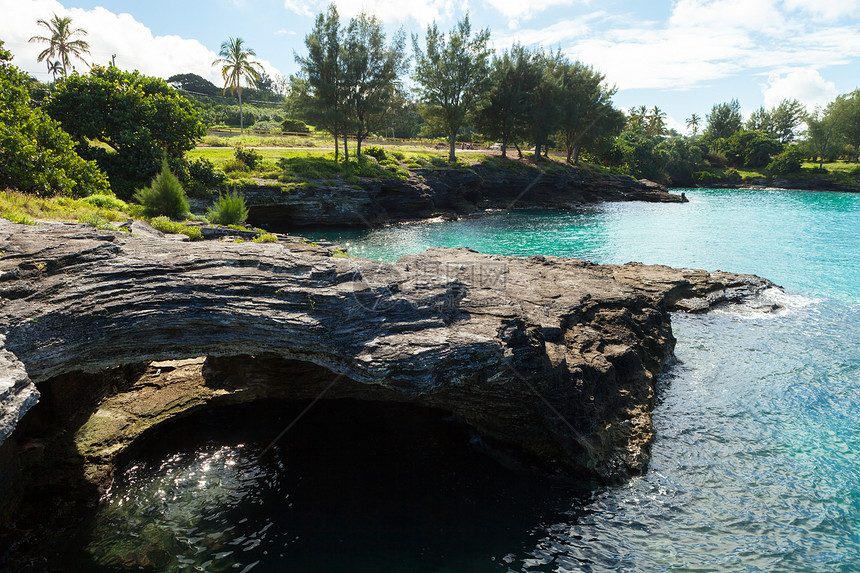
553, 362
444, 192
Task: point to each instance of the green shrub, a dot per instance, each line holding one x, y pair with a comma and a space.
732, 175
96, 221
249, 156
234, 118
203, 177
789, 161
104, 201
705, 177
141, 117
376, 152
36, 155
398, 155
230, 209
193, 233
165, 225
234, 166
265, 238
295, 126
17, 217
717, 158
165, 196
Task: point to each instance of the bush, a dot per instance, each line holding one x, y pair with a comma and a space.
789, 161
295, 126
248, 156
141, 117
103, 201
165, 225
36, 155
234, 165
165, 196
230, 209
376, 152
705, 177
233, 118
732, 176
96, 221
203, 177
398, 155
265, 238
717, 158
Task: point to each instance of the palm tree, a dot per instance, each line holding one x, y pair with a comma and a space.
656, 121
236, 66
637, 118
693, 123
56, 67
62, 41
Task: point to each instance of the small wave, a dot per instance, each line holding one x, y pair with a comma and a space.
771, 302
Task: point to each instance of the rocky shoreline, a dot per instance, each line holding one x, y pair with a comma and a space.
448, 193
786, 185
553, 362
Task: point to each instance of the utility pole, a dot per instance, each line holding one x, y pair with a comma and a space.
113, 60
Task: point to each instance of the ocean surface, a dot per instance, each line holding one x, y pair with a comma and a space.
755, 465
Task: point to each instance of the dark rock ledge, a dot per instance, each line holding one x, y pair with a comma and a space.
449, 193
553, 362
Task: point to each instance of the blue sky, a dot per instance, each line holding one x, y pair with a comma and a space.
681, 55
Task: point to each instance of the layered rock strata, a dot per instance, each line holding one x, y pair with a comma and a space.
553, 362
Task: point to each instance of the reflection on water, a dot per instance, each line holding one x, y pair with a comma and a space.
353, 487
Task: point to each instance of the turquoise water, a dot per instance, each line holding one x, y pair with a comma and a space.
755, 464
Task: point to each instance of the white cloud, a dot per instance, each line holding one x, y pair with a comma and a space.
548, 37
825, 10
285, 32
519, 10
707, 40
421, 11
805, 85
132, 42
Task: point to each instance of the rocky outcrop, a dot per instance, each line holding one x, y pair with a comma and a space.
442, 193
552, 361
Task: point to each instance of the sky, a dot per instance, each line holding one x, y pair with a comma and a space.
683, 56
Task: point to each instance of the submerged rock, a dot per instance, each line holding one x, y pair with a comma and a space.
553, 362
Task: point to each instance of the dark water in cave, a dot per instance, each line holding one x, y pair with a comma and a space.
354, 486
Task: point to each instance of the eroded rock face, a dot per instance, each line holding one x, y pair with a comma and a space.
443, 193
552, 361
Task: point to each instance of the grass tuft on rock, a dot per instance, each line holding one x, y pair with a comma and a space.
230, 209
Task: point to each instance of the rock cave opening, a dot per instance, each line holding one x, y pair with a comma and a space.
158, 465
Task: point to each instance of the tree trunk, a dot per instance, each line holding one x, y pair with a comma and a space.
504, 147
569, 153
358, 137
537, 152
519, 151
241, 117
345, 146
576, 156
336, 135
452, 157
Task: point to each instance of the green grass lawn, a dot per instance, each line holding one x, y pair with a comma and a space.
221, 155
835, 166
